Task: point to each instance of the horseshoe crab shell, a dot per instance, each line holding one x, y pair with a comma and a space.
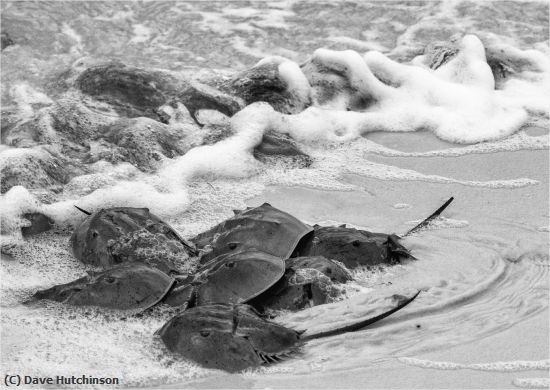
227, 337
308, 281
334, 270
355, 247
230, 278
120, 234
125, 287
264, 228
235, 337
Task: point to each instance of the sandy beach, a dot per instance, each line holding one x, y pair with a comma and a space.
390, 373
370, 114
483, 209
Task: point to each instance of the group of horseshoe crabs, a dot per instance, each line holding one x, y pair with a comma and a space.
259, 260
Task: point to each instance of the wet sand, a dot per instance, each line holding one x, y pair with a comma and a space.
506, 213
509, 345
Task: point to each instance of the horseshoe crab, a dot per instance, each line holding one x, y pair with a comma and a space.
308, 281
355, 247
264, 228
230, 278
235, 337
124, 287
125, 234
262, 280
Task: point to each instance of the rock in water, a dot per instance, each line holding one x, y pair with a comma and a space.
6, 40
143, 142
39, 223
278, 145
35, 169
503, 62
266, 82
196, 96
131, 91
136, 92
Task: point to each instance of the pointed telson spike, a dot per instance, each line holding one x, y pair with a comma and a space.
430, 218
361, 324
83, 211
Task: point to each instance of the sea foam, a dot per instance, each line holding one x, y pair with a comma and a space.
457, 102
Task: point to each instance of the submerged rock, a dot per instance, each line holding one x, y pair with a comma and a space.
68, 125
439, 53
9, 117
39, 223
35, 169
87, 132
331, 85
504, 63
279, 145
196, 96
136, 92
216, 132
265, 82
142, 142
131, 91
6, 40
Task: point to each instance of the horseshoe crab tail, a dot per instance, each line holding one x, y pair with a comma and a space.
84, 211
361, 324
430, 218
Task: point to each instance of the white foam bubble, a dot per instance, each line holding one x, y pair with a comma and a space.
358, 44
142, 33
14, 203
532, 383
297, 83
457, 101
527, 249
518, 141
512, 366
129, 194
78, 47
442, 223
402, 206
231, 157
26, 97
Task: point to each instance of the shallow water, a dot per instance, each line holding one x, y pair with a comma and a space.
483, 267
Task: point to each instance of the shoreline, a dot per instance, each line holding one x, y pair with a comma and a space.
502, 347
